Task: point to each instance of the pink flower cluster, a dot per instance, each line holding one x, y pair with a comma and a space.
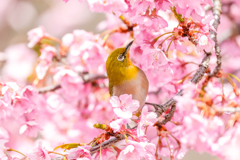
85, 51
21, 105
68, 92
124, 108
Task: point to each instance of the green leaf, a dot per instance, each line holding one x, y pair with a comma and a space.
68, 146
100, 126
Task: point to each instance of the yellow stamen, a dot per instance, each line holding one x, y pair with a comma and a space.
126, 137
232, 75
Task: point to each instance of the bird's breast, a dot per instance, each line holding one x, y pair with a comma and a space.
138, 87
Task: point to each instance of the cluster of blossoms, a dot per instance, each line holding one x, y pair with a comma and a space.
64, 103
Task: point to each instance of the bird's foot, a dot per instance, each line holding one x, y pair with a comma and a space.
158, 107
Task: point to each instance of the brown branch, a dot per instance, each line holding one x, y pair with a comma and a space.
160, 109
202, 68
228, 109
107, 143
168, 117
49, 88
90, 78
86, 78
217, 10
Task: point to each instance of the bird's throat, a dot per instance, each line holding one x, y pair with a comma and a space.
124, 73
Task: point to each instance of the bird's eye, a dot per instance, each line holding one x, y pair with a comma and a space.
120, 57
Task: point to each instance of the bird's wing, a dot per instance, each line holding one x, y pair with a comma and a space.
110, 88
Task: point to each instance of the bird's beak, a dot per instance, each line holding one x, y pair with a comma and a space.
127, 48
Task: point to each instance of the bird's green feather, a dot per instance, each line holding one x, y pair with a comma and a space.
119, 71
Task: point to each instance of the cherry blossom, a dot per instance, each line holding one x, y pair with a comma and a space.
188, 8
30, 129
4, 138
35, 35
108, 154
135, 150
124, 106
118, 123
69, 81
108, 6
80, 152
56, 92
40, 152
85, 53
146, 118
206, 43
45, 59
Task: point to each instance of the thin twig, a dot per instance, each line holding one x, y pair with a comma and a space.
107, 143
86, 78
49, 88
228, 110
91, 78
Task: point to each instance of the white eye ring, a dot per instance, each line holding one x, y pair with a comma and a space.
120, 58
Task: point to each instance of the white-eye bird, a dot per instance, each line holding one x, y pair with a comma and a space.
125, 77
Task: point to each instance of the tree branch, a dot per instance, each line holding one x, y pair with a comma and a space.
107, 143
169, 116
92, 77
86, 78
217, 10
49, 88
228, 109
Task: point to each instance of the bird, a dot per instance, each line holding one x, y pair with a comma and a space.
124, 77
